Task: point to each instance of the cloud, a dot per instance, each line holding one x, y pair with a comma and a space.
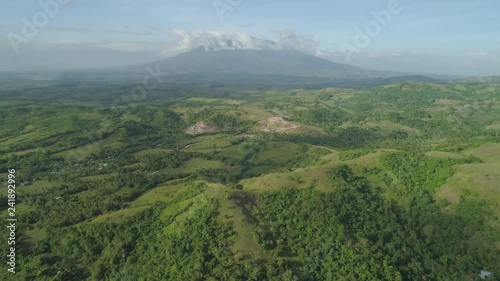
222, 40
129, 32
73, 55
182, 41
123, 46
218, 40
396, 54
83, 53
288, 39
481, 54
69, 29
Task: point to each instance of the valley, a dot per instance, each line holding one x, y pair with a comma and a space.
394, 182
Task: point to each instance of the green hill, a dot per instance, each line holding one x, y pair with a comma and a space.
397, 182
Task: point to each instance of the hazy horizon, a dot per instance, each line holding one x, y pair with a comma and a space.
438, 37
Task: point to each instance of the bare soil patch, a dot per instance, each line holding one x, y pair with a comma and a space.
277, 125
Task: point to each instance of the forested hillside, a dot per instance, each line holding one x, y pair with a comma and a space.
398, 182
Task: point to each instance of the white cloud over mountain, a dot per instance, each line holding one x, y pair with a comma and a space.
223, 40
98, 48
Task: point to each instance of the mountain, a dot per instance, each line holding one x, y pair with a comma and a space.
482, 79
406, 78
212, 66
273, 62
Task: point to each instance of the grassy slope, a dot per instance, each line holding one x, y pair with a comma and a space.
480, 181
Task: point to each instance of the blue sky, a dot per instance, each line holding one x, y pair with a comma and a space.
449, 37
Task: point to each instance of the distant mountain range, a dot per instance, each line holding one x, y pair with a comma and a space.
249, 67
283, 62
269, 67
484, 79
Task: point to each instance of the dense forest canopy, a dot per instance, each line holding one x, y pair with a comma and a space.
398, 182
